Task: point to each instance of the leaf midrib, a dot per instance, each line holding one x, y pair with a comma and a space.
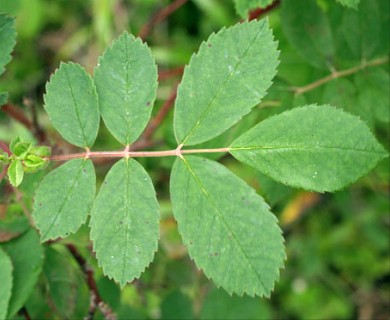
199, 182
75, 105
209, 106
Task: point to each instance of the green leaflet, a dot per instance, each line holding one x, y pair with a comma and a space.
318, 148
224, 80
244, 6
15, 173
64, 198
308, 31
125, 222
72, 104
6, 283
26, 255
7, 40
126, 82
66, 287
227, 228
350, 3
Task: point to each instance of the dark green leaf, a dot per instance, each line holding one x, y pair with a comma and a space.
319, 148
227, 228
178, 306
219, 305
308, 31
15, 173
64, 199
66, 287
125, 222
12, 226
72, 104
26, 255
3, 98
7, 40
126, 82
6, 283
224, 80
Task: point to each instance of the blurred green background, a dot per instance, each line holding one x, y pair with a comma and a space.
337, 245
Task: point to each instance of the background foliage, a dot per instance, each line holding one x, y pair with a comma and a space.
337, 244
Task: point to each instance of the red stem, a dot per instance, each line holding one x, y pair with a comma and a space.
257, 13
159, 17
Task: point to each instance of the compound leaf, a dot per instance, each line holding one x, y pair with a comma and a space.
227, 228
26, 255
64, 198
309, 31
318, 148
244, 6
6, 282
224, 80
7, 39
125, 222
126, 82
72, 104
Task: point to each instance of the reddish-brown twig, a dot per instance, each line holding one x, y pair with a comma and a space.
159, 17
167, 74
96, 300
17, 114
162, 113
257, 13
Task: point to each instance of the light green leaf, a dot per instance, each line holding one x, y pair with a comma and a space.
6, 282
19, 147
15, 173
224, 80
244, 6
227, 228
64, 199
126, 82
350, 3
32, 163
72, 104
308, 31
40, 151
125, 222
26, 255
66, 287
7, 39
318, 148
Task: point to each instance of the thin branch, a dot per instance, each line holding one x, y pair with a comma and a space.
133, 154
5, 147
167, 74
162, 113
17, 114
257, 13
96, 300
159, 17
340, 74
